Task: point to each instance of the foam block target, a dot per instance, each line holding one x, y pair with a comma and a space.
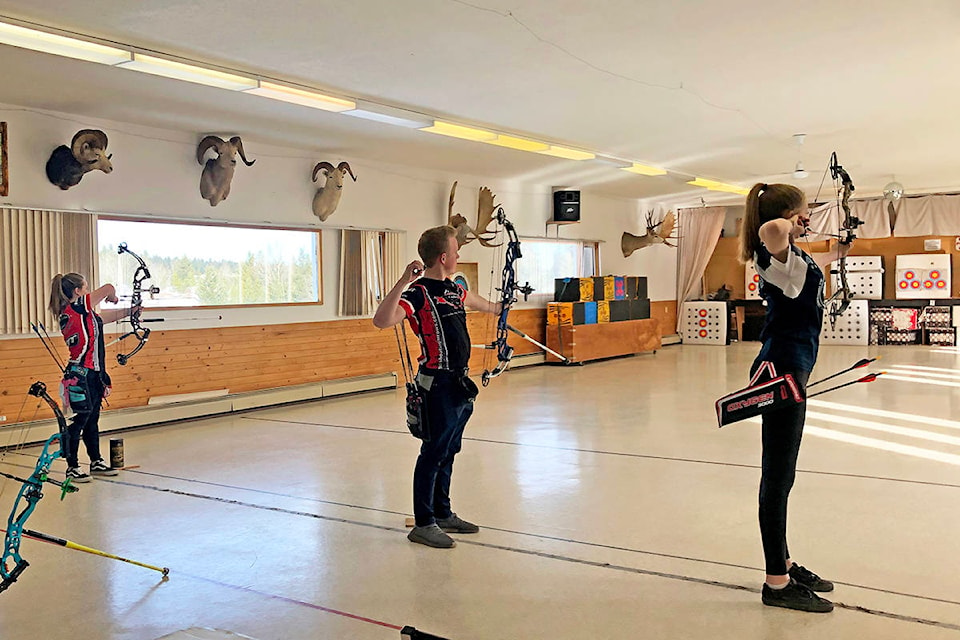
923, 276
751, 283
850, 328
704, 322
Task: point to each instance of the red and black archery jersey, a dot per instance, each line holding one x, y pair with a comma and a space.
436, 313
82, 330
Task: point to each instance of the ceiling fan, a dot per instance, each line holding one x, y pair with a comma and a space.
798, 173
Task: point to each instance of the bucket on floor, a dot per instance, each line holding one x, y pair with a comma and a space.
116, 453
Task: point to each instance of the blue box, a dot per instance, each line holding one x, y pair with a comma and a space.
589, 312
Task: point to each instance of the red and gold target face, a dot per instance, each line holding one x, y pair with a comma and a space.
703, 333
941, 284
934, 275
703, 313
928, 284
702, 323
915, 284
909, 275
903, 284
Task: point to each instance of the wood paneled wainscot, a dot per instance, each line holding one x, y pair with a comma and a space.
584, 342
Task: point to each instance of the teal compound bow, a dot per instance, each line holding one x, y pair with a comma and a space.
12, 564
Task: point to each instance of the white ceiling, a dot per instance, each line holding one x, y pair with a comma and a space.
714, 89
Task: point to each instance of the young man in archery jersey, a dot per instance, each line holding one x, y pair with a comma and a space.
791, 284
74, 305
435, 307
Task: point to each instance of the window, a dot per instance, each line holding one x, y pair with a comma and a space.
545, 260
212, 265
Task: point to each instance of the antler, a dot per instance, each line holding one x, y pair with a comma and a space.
485, 209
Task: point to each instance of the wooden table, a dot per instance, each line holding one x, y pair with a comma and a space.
584, 342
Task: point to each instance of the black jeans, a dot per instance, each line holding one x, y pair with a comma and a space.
448, 407
782, 432
86, 424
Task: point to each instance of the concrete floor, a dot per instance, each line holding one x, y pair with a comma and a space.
611, 507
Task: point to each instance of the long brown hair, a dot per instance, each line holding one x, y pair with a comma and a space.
62, 289
765, 202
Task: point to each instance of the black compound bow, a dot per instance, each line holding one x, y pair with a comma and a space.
137, 330
508, 290
840, 299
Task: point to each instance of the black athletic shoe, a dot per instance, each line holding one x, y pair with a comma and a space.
809, 579
796, 596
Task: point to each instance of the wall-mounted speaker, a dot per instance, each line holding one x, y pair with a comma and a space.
566, 206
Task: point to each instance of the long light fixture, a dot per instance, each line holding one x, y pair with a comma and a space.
57, 45
389, 115
188, 72
568, 153
645, 170
301, 97
460, 131
714, 185
522, 144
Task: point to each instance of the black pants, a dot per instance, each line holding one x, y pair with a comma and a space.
448, 407
782, 432
86, 424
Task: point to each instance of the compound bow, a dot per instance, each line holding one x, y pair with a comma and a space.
137, 330
508, 290
840, 300
32, 491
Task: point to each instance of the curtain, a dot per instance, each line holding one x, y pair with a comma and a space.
875, 214
370, 263
699, 233
935, 215
34, 247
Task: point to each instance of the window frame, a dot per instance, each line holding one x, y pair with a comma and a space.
580, 248
318, 239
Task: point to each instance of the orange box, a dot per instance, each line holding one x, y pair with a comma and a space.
586, 290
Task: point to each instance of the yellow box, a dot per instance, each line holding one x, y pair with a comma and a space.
603, 311
559, 313
586, 290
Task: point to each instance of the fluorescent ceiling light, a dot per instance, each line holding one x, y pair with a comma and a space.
188, 72
301, 97
613, 162
569, 154
61, 45
389, 115
714, 185
460, 131
645, 170
523, 144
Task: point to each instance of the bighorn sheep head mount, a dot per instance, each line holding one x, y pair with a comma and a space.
485, 210
218, 172
328, 196
87, 151
657, 233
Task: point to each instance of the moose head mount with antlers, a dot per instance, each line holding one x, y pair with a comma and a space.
657, 233
327, 198
485, 217
218, 172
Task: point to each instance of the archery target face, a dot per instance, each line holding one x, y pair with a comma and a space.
923, 277
751, 283
705, 322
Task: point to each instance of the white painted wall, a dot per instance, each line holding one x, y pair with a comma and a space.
156, 175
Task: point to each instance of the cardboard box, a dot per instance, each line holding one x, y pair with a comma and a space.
620, 310
571, 313
587, 290
589, 312
603, 288
566, 290
636, 287
639, 309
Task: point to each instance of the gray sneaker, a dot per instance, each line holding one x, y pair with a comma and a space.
432, 536
454, 524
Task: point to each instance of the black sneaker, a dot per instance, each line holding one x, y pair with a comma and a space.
76, 475
455, 524
432, 536
101, 468
796, 596
809, 579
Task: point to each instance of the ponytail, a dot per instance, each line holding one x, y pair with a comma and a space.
62, 289
765, 202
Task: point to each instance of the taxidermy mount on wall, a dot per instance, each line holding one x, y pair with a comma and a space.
658, 233
327, 198
218, 172
87, 151
485, 209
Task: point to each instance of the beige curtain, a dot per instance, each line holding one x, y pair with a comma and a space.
370, 263
34, 247
875, 214
933, 215
699, 233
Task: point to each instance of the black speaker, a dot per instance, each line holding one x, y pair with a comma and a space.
566, 206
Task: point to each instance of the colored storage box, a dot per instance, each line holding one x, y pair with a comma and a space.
639, 309
603, 288
570, 313
619, 288
589, 312
620, 310
603, 310
566, 290
636, 287
587, 290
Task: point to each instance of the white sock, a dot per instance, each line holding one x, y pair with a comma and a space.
778, 587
